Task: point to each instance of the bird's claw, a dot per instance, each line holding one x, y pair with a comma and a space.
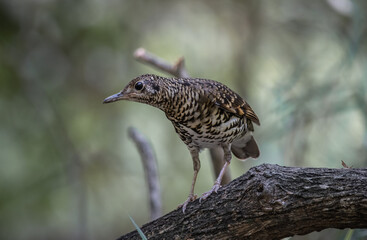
208, 193
190, 198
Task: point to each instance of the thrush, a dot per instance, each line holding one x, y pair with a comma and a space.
204, 113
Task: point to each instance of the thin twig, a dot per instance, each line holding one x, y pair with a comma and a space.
150, 170
179, 70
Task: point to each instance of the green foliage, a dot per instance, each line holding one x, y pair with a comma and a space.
138, 229
349, 234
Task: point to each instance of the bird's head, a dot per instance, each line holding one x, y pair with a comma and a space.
144, 89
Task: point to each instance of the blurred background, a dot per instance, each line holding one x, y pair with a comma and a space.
68, 168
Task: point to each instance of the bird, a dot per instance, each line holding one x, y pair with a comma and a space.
204, 113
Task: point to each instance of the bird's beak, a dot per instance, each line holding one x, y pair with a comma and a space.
114, 98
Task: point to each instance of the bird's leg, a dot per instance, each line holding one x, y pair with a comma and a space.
196, 163
216, 186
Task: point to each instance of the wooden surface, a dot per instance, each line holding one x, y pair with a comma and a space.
270, 202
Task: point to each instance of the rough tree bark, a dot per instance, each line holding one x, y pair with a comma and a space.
270, 202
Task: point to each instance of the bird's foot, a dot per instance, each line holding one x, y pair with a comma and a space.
190, 198
208, 193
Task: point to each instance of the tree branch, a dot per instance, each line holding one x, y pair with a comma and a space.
270, 202
151, 172
177, 70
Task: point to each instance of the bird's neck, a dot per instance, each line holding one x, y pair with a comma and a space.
167, 101
178, 103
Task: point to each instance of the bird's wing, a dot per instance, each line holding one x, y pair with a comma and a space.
225, 98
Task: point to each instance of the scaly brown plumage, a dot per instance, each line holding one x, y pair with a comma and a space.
204, 113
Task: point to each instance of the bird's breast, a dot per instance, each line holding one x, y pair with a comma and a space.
206, 127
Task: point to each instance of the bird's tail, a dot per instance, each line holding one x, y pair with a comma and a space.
245, 147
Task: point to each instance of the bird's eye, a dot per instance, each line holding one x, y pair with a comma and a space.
139, 86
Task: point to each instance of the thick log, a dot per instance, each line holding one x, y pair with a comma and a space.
270, 202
